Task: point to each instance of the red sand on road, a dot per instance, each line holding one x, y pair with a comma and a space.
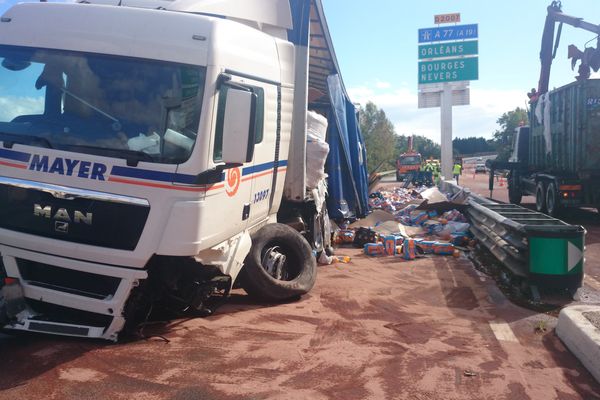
377, 328
373, 329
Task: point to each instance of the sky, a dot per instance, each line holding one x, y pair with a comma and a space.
376, 45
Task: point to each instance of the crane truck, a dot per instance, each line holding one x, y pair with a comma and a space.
153, 153
408, 162
556, 157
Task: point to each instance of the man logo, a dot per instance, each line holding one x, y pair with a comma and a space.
62, 215
61, 226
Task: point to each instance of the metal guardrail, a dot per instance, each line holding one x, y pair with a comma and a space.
534, 246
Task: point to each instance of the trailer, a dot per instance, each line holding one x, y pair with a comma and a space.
154, 153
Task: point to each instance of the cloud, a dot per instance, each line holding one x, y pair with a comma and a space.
383, 85
13, 106
477, 119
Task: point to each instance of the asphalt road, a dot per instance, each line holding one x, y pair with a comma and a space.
376, 328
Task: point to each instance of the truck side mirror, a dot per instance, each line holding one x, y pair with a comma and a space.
239, 126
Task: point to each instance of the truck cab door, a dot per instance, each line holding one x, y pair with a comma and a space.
233, 154
259, 173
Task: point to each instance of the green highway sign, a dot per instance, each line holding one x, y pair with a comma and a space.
453, 49
451, 70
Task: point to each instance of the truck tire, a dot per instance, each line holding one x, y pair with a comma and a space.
552, 201
280, 264
398, 177
514, 192
540, 197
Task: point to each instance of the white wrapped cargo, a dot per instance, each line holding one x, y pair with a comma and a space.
316, 149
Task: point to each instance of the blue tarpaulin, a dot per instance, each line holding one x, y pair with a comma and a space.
346, 162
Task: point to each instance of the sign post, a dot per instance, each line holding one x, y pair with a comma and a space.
446, 130
447, 62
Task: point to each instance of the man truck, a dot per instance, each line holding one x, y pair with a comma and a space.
556, 158
153, 153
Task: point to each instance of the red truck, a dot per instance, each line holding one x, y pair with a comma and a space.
407, 162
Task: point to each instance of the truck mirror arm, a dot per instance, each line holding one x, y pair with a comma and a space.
225, 79
213, 175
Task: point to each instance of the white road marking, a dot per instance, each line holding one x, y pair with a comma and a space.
593, 282
503, 332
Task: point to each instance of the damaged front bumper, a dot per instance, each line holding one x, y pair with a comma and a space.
56, 295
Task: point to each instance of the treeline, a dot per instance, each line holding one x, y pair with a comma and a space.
384, 144
472, 145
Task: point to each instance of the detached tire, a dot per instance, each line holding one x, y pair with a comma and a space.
280, 264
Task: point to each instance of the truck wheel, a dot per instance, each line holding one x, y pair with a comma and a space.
398, 177
514, 193
552, 203
540, 197
280, 264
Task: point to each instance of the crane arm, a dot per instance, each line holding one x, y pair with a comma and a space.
555, 15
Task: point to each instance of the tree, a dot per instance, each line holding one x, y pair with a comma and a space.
383, 145
427, 147
379, 135
471, 145
421, 144
508, 122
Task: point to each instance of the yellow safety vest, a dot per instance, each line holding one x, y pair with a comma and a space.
457, 169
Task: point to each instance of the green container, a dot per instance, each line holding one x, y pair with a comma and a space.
574, 127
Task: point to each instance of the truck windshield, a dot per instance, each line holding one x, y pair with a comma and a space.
410, 160
100, 104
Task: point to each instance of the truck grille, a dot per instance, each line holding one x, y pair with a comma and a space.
74, 215
66, 315
68, 280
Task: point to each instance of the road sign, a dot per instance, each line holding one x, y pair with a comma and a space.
456, 69
446, 18
453, 49
433, 99
430, 94
447, 33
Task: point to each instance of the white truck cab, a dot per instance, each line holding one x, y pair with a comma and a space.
143, 157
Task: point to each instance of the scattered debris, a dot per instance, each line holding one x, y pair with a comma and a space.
541, 327
325, 259
468, 372
410, 223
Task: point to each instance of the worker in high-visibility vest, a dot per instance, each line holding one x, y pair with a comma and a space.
436, 173
456, 171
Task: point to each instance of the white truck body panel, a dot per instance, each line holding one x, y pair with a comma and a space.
210, 221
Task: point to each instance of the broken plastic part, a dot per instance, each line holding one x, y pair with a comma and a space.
14, 300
